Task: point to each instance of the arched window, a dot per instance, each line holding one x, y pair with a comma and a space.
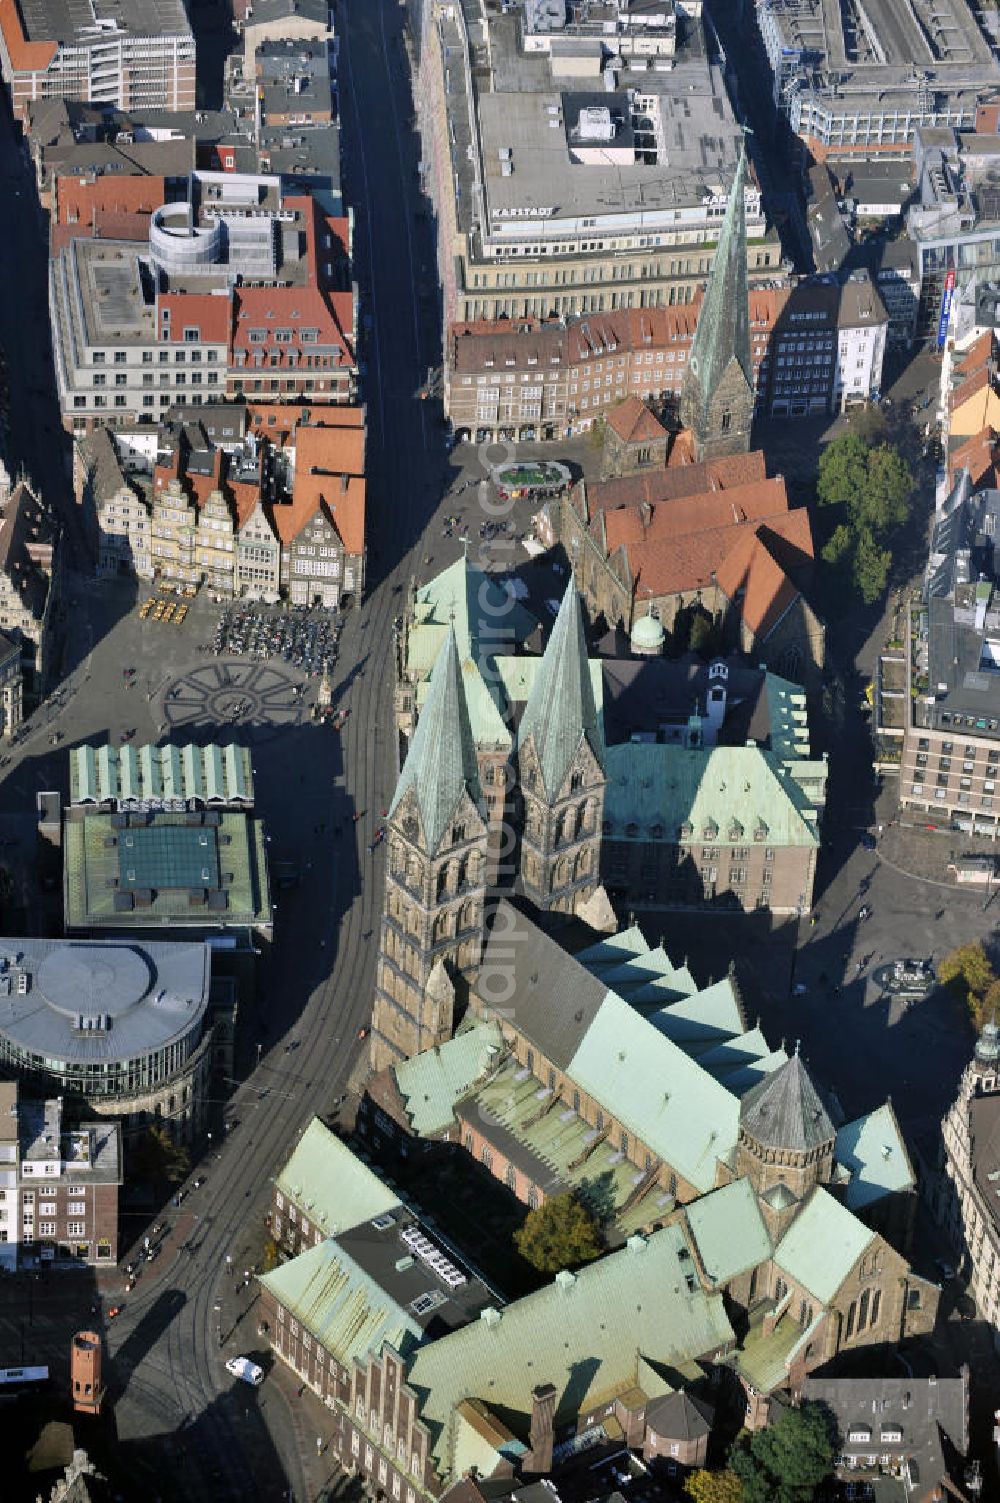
780, 1289
510, 1178
486, 1157
863, 1311
876, 1306
533, 1199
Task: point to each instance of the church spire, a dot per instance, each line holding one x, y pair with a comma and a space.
441, 762
560, 712
717, 394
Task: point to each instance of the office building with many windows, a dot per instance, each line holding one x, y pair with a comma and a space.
58, 1184
137, 54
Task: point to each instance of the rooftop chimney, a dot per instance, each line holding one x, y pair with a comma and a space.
543, 1408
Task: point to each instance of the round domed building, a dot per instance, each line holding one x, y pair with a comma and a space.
648, 636
121, 1026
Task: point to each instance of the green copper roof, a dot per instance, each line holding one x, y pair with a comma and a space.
726, 787
872, 1148
441, 762
701, 1020
330, 1185
728, 1231
763, 1360
656, 1091
431, 1082
487, 619
614, 949
822, 1245
583, 1333
560, 712
341, 1305
723, 331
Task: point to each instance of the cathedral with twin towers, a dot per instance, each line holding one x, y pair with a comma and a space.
519, 809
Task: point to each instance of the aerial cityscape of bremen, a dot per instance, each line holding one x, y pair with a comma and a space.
499, 751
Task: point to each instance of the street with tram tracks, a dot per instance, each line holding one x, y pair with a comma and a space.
185, 1426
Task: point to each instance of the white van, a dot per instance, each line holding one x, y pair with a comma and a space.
242, 1367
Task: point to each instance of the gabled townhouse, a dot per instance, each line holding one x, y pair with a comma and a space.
258, 553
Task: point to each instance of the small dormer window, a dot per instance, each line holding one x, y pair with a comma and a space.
710, 830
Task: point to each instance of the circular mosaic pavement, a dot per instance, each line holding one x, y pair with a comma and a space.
258, 698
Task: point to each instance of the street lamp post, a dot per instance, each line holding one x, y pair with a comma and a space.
260, 1050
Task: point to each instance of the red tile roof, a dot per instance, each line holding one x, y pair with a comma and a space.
976, 384
210, 313
979, 353
697, 513
745, 539
81, 199
329, 473
107, 225
276, 420
633, 422
654, 486
979, 455
25, 56
757, 565
292, 309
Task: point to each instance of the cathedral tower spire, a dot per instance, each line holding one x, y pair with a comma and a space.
717, 393
561, 768
435, 881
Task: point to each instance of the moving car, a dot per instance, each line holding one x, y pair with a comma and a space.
242, 1367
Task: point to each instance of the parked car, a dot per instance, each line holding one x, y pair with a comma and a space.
242, 1367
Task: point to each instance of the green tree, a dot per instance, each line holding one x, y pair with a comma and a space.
869, 567
843, 471
838, 545
713, 1487
884, 504
270, 1257
561, 1233
704, 637
967, 972
158, 1159
873, 488
788, 1461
